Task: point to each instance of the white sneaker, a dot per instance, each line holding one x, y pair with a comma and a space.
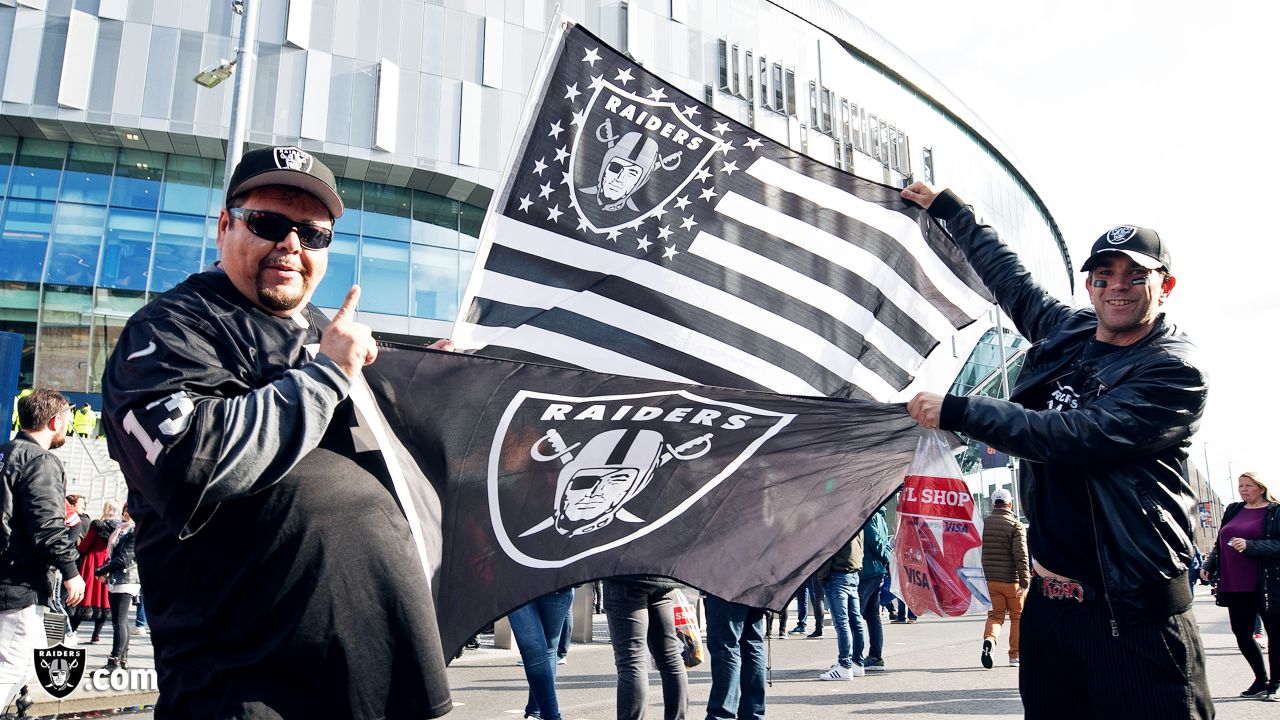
837, 673
856, 671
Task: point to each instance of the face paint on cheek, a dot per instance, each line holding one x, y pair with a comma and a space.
1099, 284
1139, 281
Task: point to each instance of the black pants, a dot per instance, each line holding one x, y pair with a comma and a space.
1243, 609
1072, 666
120, 603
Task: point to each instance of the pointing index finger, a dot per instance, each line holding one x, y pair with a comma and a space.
349, 304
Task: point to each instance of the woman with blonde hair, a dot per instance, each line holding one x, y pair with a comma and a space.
1246, 562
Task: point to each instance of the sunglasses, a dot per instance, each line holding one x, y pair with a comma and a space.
275, 227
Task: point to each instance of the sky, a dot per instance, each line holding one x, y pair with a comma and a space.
1150, 114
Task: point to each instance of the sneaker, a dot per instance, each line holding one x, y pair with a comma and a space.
873, 665
815, 634
798, 630
1271, 690
837, 672
562, 660
986, 654
1014, 662
71, 640
856, 671
1257, 690
137, 630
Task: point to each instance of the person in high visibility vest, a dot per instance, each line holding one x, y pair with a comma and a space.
24, 393
86, 420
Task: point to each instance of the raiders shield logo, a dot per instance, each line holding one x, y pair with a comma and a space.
293, 158
573, 476
59, 669
631, 156
1119, 235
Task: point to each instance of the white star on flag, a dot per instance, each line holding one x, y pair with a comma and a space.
664, 232
643, 243
702, 174
578, 117
562, 153
754, 143
688, 223
596, 82
708, 193
546, 191
582, 223
690, 111
564, 178
613, 235
624, 76
659, 211
554, 213
555, 130
571, 92
721, 127
591, 57
724, 147
682, 202
657, 95
729, 167
539, 166
670, 252
525, 202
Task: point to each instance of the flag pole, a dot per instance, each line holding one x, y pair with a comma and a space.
552, 46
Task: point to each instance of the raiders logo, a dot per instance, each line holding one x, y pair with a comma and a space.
570, 477
59, 669
1119, 235
293, 158
631, 156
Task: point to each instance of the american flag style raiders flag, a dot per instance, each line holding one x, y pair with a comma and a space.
639, 232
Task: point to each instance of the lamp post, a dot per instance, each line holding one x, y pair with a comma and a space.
245, 61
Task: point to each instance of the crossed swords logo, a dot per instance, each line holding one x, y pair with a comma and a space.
597, 481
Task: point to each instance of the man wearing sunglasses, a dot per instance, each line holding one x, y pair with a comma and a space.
279, 570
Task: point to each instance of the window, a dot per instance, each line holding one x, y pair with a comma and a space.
341, 274
88, 175
873, 142
8, 148
384, 276
724, 64
824, 99
38, 169
885, 131
928, 165
764, 82
904, 154
735, 71
24, 237
748, 86
179, 239
77, 235
813, 104
126, 255
435, 282
137, 181
65, 317
791, 92
186, 185
778, 103
856, 127
386, 211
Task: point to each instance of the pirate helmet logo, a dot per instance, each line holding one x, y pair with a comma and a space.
1119, 235
607, 470
293, 158
59, 669
632, 156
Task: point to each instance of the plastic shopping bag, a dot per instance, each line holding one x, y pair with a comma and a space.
937, 550
687, 630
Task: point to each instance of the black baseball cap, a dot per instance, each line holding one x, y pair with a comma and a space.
289, 166
1142, 244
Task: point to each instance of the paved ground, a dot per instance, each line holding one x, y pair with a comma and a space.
933, 672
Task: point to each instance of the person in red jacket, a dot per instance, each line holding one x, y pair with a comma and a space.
93, 553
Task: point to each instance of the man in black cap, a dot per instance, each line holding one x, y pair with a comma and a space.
282, 579
1102, 416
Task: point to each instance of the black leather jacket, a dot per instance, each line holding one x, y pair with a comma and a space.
1266, 550
33, 529
1127, 439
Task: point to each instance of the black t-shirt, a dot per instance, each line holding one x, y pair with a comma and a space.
1061, 532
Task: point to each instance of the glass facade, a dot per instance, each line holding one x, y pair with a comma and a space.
90, 233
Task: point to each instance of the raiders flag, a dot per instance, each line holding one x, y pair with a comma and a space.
538, 478
638, 231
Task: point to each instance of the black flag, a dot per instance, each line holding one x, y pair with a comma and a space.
529, 478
